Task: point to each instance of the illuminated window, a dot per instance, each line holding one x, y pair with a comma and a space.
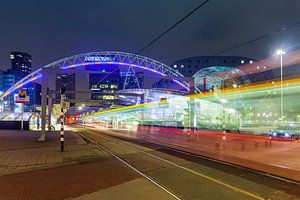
108, 97
114, 86
175, 66
103, 86
182, 66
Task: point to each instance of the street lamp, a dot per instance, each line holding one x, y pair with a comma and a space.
281, 52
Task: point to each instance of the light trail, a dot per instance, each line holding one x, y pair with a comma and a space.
259, 87
249, 108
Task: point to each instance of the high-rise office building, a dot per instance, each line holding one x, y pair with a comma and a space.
8, 81
1, 79
20, 67
20, 64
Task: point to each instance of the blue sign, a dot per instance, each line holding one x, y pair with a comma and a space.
127, 74
98, 59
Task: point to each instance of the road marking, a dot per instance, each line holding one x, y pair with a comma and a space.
189, 170
131, 166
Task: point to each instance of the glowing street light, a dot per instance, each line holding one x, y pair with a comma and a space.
223, 100
80, 108
281, 52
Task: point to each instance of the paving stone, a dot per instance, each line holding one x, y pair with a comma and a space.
21, 150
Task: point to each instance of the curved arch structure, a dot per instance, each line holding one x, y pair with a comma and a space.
101, 58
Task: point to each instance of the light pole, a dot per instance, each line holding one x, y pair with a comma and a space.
281, 52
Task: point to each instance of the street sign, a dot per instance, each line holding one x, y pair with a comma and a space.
22, 97
163, 103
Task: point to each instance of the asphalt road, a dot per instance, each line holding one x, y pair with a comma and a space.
189, 177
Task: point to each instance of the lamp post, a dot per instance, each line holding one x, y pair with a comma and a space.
281, 52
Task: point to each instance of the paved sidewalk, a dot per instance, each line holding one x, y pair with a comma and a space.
21, 151
32, 170
65, 182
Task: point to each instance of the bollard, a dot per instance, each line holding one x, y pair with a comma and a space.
62, 117
224, 144
256, 144
217, 146
62, 137
243, 146
270, 143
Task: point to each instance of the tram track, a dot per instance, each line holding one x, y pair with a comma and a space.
119, 142
286, 180
102, 147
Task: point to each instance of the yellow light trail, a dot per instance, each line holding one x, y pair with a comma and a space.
245, 88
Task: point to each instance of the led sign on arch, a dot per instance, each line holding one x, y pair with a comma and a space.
98, 59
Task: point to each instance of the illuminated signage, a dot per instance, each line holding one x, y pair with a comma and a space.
98, 59
22, 97
22, 94
127, 74
108, 97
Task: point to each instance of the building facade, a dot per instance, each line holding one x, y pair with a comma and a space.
189, 66
66, 81
20, 67
105, 82
20, 64
8, 81
210, 73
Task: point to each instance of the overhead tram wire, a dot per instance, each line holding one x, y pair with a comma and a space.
258, 38
173, 26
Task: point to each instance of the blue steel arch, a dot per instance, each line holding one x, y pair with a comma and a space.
105, 57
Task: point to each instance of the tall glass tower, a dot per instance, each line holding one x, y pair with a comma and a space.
20, 64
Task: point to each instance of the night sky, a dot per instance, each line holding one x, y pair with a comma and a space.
50, 30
